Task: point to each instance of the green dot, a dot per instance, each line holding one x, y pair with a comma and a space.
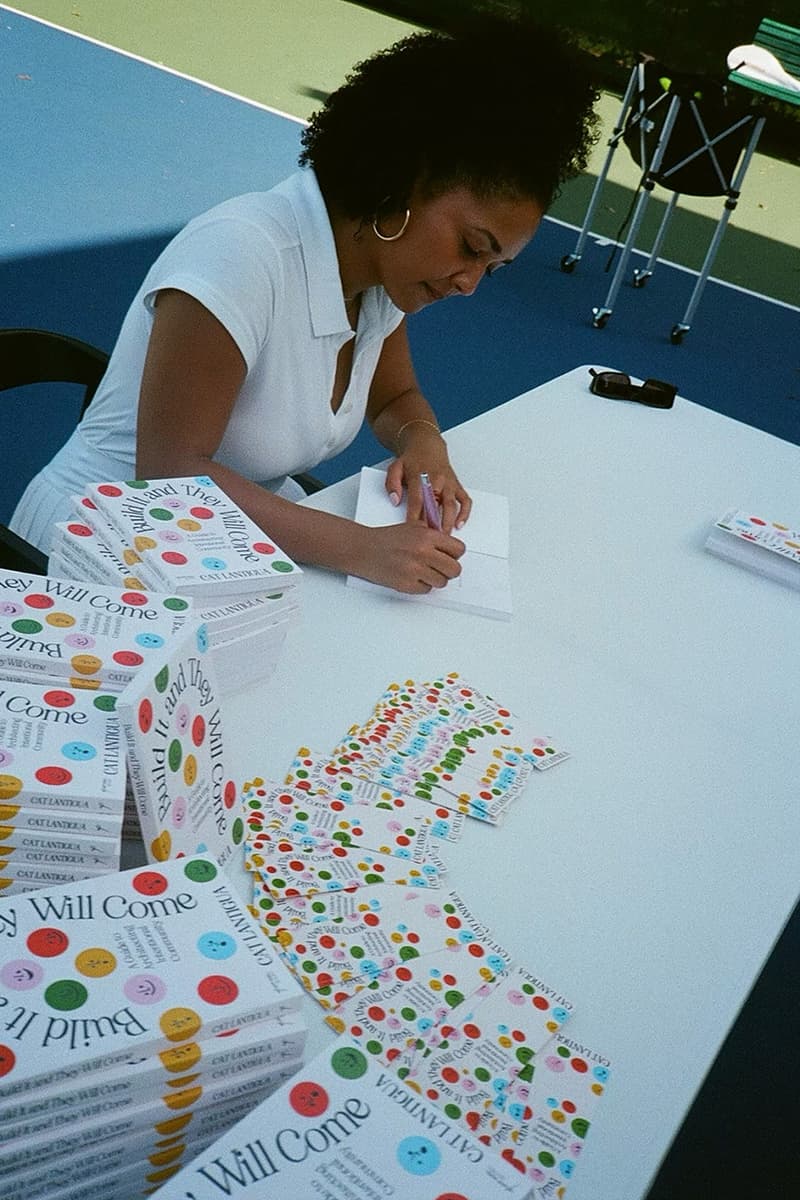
200, 870
176, 604
349, 1063
162, 679
452, 1111
563, 1051
345, 786
453, 997
277, 883
66, 995
105, 703
580, 1127
371, 877
325, 875
237, 831
174, 754
161, 514
139, 484
309, 966
23, 625
482, 1074
318, 906
547, 1159
408, 1014
283, 567
524, 1054
373, 1047
356, 952
528, 989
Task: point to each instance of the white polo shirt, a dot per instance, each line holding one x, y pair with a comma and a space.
265, 265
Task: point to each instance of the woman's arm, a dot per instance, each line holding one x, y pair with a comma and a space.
404, 422
192, 375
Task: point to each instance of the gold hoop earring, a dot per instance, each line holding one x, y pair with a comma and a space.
394, 237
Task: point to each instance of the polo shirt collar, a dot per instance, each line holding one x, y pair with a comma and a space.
323, 283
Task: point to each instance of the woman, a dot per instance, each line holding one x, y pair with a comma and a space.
271, 326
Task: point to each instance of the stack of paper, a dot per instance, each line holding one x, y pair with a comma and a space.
186, 535
185, 796
145, 1014
349, 881
769, 547
345, 1130
62, 784
484, 585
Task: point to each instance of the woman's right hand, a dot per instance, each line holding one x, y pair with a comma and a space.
409, 558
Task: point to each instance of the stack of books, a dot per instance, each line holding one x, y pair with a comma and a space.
184, 795
62, 784
345, 1129
144, 1014
67, 650
186, 535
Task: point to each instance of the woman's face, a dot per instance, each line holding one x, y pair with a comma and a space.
449, 244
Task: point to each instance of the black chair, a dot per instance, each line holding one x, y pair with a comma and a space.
39, 356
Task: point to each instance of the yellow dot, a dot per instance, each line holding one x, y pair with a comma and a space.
558, 1116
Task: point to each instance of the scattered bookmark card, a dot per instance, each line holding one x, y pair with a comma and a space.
312, 824
288, 871
765, 546
395, 1011
314, 774
484, 585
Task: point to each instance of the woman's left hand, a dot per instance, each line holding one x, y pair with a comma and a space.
428, 452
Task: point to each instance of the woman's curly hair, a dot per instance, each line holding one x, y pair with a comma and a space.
502, 107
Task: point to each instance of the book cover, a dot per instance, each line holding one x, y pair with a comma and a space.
89, 635
190, 534
345, 1128
60, 750
130, 962
173, 725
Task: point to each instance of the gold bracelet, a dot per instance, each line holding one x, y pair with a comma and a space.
414, 421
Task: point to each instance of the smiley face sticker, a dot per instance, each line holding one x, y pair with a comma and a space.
308, 1099
418, 1155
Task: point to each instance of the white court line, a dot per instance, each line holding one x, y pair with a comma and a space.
212, 87
736, 287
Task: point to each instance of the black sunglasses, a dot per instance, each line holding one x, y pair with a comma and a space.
616, 386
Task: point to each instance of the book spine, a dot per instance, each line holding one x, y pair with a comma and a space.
94, 1112
56, 821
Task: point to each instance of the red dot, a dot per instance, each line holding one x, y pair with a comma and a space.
518, 1035
198, 730
450, 1075
174, 558
308, 1099
145, 715
39, 601
475, 949
127, 658
341, 852
47, 942
295, 865
137, 598
337, 806
402, 840
109, 489
58, 699
757, 521
263, 548
403, 974
540, 1002
327, 942
149, 883
229, 795
202, 514
371, 919
79, 530
579, 1065
324, 980
7, 1060
57, 776
217, 989
376, 1013
471, 1030
537, 750
568, 1106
